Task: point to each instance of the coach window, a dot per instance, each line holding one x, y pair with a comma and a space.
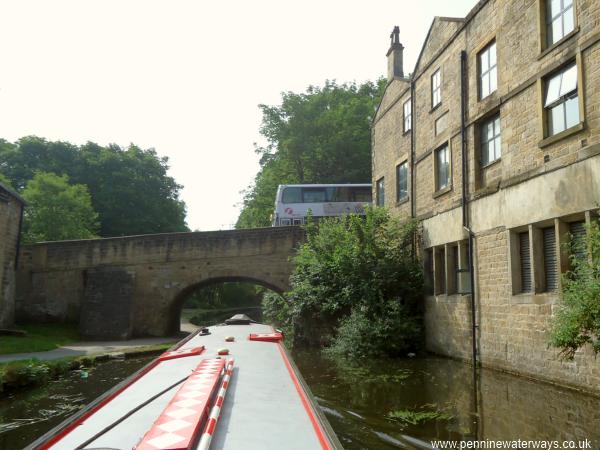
313, 195
292, 195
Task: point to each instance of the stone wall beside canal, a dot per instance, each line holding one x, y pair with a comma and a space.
11, 206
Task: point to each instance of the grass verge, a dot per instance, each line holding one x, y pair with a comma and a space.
40, 337
33, 372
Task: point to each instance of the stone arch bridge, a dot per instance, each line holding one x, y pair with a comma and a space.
117, 288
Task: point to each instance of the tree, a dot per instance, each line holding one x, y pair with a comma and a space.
57, 210
577, 320
356, 287
5, 181
321, 136
130, 188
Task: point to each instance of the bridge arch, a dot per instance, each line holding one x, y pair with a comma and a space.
184, 293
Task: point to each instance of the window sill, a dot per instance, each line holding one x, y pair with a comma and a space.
433, 108
490, 164
449, 298
442, 191
402, 201
490, 97
529, 298
557, 44
563, 134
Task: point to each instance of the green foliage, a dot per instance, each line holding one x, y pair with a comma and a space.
393, 332
225, 295
129, 188
356, 287
5, 181
366, 372
416, 417
577, 320
320, 136
57, 210
19, 374
277, 311
40, 337
33, 372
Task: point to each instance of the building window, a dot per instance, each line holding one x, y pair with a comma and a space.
442, 168
561, 100
407, 116
380, 192
525, 260
428, 263
436, 88
577, 244
490, 140
402, 181
488, 73
559, 20
439, 269
550, 264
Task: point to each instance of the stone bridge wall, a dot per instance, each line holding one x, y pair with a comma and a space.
136, 285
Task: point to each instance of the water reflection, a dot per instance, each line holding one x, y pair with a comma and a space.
26, 415
435, 399
357, 401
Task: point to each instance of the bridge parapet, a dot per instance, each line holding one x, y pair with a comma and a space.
158, 248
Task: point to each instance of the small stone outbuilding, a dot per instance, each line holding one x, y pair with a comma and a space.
11, 217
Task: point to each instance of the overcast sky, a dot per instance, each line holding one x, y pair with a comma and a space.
186, 76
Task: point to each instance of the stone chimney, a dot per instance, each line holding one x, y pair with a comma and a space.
394, 55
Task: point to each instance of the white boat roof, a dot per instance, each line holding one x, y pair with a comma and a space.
267, 406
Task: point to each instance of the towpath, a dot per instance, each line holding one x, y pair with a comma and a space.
95, 347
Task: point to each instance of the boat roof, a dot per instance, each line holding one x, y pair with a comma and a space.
267, 405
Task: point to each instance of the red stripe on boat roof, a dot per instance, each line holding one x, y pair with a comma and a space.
178, 425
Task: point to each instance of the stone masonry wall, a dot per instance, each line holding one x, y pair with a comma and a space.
10, 214
538, 181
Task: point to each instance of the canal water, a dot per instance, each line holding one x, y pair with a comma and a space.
26, 415
403, 403
381, 404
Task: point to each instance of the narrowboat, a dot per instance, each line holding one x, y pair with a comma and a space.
229, 387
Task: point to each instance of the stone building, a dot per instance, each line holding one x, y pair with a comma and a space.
11, 213
495, 140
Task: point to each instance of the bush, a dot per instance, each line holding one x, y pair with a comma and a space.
19, 375
577, 320
360, 336
276, 311
356, 287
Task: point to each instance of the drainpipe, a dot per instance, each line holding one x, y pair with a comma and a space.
413, 204
466, 226
465, 188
